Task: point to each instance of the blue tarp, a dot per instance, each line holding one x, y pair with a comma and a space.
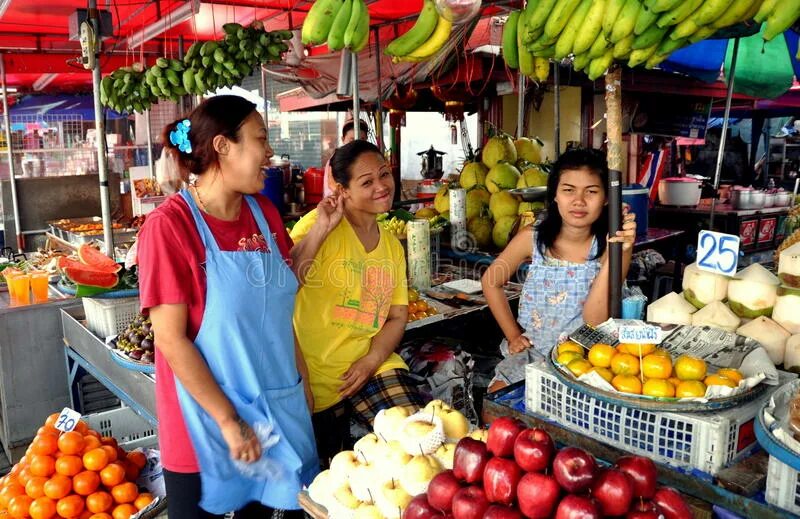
62, 105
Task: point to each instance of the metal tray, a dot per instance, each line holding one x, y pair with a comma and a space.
531, 194
120, 236
651, 403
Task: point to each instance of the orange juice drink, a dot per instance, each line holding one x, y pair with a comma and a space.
40, 286
8, 274
20, 285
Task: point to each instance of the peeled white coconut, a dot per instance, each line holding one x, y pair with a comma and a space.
389, 422
418, 473
789, 266
752, 292
422, 433
716, 315
770, 334
791, 357
787, 309
671, 308
701, 287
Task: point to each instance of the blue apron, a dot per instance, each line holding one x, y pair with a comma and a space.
246, 338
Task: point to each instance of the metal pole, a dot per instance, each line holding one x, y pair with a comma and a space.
557, 109
379, 97
11, 174
102, 156
614, 125
264, 97
150, 162
521, 106
724, 136
356, 101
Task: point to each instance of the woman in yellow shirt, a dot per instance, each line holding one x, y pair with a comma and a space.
352, 306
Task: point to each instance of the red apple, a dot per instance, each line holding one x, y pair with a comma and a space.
420, 508
470, 459
577, 507
441, 490
502, 512
671, 504
643, 509
470, 503
613, 491
537, 495
574, 469
500, 479
644, 474
502, 433
533, 450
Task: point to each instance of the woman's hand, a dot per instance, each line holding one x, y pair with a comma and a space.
519, 344
358, 374
329, 212
241, 440
626, 236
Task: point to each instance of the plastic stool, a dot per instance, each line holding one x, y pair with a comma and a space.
662, 285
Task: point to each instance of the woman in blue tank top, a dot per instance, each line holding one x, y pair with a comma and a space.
567, 282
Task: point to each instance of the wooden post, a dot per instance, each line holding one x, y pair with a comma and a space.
614, 125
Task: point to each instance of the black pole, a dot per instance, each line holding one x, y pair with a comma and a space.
614, 126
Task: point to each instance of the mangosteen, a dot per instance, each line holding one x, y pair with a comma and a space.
147, 344
146, 327
136, 354
148, 357
135, 338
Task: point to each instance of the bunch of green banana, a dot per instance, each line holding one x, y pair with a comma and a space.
418, 35
439, 36
516, 53
779, 15
125, 90
339, 23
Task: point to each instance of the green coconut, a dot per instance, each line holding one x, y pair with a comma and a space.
532, 176
787, 309
671, 308
473, 174
529, 149
502, 176
789, 266
716, 315
791, 355
501, 233
477, 199
701, 288
769, 334
499, 148
503, 204
480, 228
752, 292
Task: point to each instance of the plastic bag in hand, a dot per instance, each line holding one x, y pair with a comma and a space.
265, 467
168, 172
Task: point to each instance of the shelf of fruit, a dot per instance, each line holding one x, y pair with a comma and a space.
74, 474
395, 221
428, 465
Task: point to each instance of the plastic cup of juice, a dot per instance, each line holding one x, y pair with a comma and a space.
8, 274
40, 286
21, 284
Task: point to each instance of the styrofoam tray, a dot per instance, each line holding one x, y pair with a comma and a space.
468, 286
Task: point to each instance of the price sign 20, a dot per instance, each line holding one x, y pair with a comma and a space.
718, 252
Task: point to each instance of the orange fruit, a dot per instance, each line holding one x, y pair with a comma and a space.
123, 511
111, 452
24, 475
627, 383
45, 444
144, 499
719, 380
125, 493
112, 475
101, 515
19, 506
109, 440
96, 459
9, 492
639, 350
69, 465
567, 357
579, 366
99, 502
51, 420
71, 443
656, 366
604, 372
35, 486
70, 506
733, 374
86, 514
658, 387
42, 465
42, 508
90, 443
57, 487
690, 368
571, 346
81, 427
92, 432
600, 355
690, 388
46, 429
131, 471
137, 458
662, 353
674, 381
625, 364
85, 483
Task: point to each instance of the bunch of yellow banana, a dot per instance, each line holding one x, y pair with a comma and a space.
597, 32
340, 23
428, 35
517, 55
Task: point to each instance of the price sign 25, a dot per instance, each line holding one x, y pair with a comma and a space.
718, 252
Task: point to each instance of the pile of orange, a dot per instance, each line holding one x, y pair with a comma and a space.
644, 369
419, 309
73, 475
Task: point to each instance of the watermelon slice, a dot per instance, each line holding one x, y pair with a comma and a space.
86, 275
97, 260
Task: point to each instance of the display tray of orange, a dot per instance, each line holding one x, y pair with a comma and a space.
647, 377
422, 311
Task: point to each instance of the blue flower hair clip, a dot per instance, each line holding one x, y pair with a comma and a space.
179, 137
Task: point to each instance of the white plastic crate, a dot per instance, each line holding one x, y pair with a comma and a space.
783, 486
701, 441
129, 429
106, 317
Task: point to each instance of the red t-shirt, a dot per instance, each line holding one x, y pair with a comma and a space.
171, 260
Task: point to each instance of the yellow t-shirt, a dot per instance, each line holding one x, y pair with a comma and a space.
344, 302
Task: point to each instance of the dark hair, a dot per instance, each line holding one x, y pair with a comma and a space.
219, 115
550, 226
350, 125
345, 156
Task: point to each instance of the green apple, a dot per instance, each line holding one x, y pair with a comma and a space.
455, 424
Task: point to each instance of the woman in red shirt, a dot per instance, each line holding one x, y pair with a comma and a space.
215, 280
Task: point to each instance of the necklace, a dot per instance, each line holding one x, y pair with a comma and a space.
197, 193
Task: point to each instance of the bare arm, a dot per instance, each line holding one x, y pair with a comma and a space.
383, 344
496, 276
329, 214
595, 309
169, 326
